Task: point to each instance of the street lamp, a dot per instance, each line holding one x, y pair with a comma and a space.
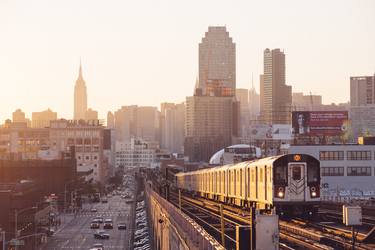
66, 184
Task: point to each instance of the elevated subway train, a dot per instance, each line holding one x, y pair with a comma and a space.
291, 183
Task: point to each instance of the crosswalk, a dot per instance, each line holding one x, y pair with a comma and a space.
102, 214
85, 247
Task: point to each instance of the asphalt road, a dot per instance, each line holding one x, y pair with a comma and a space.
75, 233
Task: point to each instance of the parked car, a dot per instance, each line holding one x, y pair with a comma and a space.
101, 235
98, 220
146, 246
93, 210
141, 242
94, 225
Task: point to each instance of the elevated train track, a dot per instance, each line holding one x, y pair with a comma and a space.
294, 234
237, 187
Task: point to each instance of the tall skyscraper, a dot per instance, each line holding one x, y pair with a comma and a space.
212, 114
217, 63
80, 97
276, 95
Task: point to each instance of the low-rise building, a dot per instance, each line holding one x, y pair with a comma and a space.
136, 153
347, 170
88, 140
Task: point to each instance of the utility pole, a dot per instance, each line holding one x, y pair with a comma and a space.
222, 225
3, 237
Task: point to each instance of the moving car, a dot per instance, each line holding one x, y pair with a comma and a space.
108, 224
121, 226
97, 246
101, 235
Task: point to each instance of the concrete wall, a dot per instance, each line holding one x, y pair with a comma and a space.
174, 230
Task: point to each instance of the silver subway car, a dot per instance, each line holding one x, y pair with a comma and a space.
291, 183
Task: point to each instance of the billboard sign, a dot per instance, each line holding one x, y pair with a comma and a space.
270, 132
319, 123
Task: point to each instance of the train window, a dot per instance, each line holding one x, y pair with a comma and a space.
313, 173
296, 172
280, 174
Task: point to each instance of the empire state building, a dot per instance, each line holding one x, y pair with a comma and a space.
80, 97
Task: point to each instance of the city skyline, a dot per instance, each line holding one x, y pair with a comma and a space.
113, 68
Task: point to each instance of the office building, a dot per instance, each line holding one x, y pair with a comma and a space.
88, 140
91, 115
362, 105
301, 102
172, 118
276, 96
135, 153
362, 90
242, 96
42, 119
254, 105
211, 123
137, 122
19, 119
80, 97
217, 63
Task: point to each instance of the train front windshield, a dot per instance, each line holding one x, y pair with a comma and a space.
280, 175
313, 173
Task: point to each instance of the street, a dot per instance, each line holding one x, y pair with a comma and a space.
75, 232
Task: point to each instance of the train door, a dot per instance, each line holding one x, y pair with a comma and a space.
297, 181
265, 182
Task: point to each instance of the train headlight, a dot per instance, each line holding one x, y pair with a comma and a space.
313, 194
280, 194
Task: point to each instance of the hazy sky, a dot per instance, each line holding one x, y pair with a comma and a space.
146, 52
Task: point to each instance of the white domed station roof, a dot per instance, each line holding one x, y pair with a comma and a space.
217, 158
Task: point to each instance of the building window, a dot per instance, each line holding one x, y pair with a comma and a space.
332, 171
359, 171
358, 155
87, 157
331, 155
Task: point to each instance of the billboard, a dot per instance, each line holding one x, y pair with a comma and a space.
319, 123
270, 132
